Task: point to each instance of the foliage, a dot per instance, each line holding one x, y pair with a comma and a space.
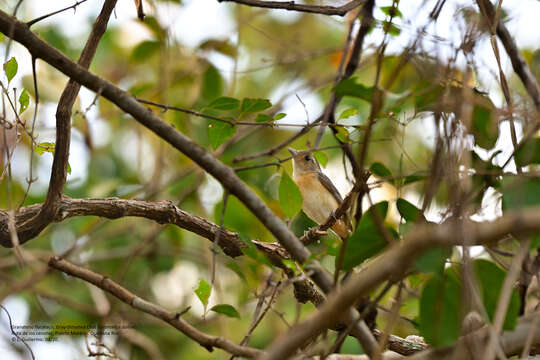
437, 135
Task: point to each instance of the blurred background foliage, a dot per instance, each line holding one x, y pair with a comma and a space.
268, 57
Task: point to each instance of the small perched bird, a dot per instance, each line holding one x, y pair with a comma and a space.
320, 196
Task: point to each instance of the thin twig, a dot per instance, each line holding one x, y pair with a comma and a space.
106, 284
74, 6
293, 6
14, 333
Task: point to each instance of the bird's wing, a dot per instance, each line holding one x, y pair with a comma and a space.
327, 183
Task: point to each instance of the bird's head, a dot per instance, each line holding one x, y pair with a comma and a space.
304, 162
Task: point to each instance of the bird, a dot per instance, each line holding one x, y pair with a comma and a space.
320, 196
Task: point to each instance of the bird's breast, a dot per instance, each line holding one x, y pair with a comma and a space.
317, 202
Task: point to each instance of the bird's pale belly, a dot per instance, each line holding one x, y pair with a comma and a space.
317, 202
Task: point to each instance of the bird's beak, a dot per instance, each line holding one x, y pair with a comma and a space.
293, 152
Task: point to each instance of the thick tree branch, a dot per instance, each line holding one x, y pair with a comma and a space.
518, 62
106, 284
293, 6
163, 212
392, 265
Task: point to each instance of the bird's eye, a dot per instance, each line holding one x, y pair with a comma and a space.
307, 158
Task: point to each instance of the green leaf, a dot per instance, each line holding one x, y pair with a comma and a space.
224, 103
163, 263
222, 46
535, 243
212, 83
255, 105
279, 116
203, 292
429, 98
144, 50
520, 193
381, 171
418, 176
433, 261
391, 11
484, 126
289, 264
141, 88
10, 68
528, 153
348, 113
393, 102
227, 310
68, 168
490, 280
154, 26
321, 157
349, 87
366, 241
409, 211
44, 147
263, 118
290, 197
440, 302
24, 101
391, 28
219, 132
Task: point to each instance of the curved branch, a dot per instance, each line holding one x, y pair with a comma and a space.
518, 62
163, 212
106, 284
292, 6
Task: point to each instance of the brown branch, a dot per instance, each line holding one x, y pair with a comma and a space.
63, 125
14, 333
223, 173
270, 124
393, 265
389, 355
106, 284
293, 6
163, 212
328, 116
273, 150
402, 346
74, 6
518, 62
